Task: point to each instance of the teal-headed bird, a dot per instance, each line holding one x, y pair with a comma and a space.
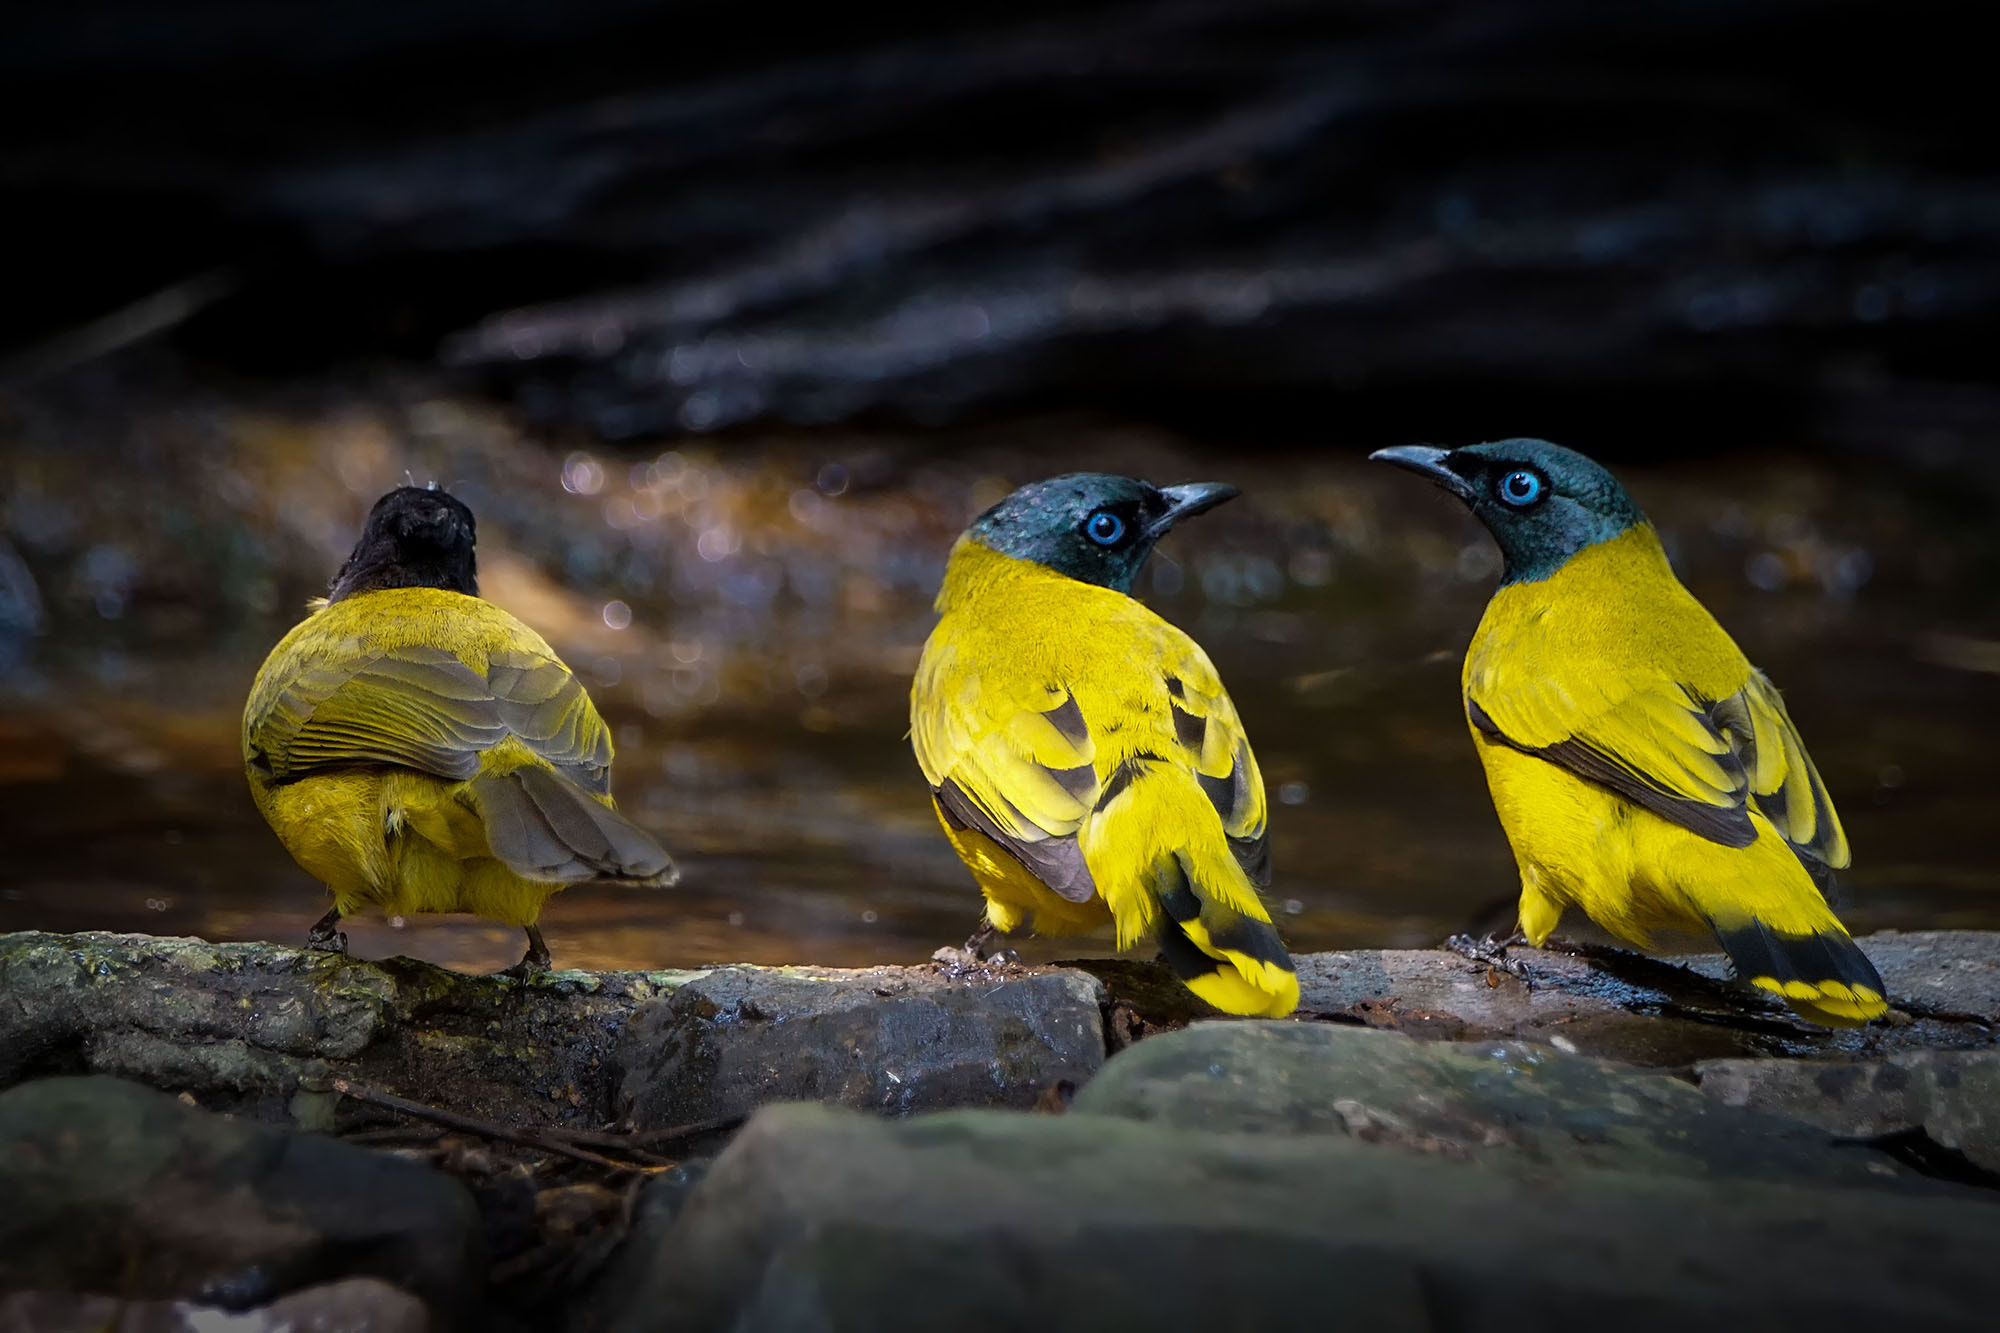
1643, 770
1082, 754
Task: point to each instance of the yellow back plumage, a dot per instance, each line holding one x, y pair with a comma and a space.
422, 750
336, 637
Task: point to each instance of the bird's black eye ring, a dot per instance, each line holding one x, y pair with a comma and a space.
1522, 487
1104, 527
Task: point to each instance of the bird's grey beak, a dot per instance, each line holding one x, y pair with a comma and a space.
1426, 462
1194, 498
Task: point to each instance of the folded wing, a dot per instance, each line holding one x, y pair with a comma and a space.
522, 734
1702, 763
424, 708
1120, 793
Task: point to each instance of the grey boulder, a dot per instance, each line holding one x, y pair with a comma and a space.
828, 1220
895, 1040
1952, 1097
1528, 1107
1282, 1176
114, 1188
354, 1305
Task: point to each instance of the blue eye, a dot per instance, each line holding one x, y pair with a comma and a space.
1522, 488
1104, 528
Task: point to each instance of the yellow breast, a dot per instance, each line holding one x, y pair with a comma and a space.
1614, 608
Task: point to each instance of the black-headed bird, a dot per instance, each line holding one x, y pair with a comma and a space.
417, 749
1082, 754
1643, 770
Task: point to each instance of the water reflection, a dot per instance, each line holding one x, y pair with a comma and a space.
748, 614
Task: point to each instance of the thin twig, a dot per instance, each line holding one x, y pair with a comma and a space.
524, 1137
396, 1134
649, 1138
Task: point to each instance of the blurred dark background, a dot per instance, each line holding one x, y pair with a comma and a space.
1676, 226
727, 317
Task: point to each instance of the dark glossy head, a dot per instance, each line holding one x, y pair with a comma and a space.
416, 537
1092, 526
1543, 503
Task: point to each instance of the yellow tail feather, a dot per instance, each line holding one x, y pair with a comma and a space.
1832, 1003
1822, 974
1273, 994
1231, 958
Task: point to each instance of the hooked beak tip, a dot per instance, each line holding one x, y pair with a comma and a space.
1191, 499
1427, 462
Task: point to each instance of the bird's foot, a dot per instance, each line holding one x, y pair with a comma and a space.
534, 962
979, 941
326, 934
1492, 954
986, 945
978, 952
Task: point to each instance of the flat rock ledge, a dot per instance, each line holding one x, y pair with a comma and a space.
264, 1030
307, 1141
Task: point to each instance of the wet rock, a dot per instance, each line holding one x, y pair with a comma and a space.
1656, 1012
118, 1189
1278, 1168
259, 1029
1530, 1106
1952, 1096
1567, 1001
824, 1219
252, 1028
356, 1305
895, 1040
1950, 972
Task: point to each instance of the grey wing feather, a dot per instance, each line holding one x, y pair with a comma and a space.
547, 707
1728, 825
543, 827
1055, 861
416, 707
423, 708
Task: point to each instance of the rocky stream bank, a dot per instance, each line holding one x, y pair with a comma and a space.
319, 1143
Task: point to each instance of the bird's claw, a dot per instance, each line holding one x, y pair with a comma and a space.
326, 936
983, 949
534, 962
981, 941
1491, 953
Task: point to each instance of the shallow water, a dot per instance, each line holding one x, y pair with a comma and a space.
748, 614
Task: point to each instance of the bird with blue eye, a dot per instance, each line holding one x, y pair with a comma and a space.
1083, 757
1643, 771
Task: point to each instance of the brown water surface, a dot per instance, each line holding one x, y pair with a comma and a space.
748, 614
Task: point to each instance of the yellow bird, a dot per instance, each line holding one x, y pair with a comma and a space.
1083, 757
417, 749
1643, 770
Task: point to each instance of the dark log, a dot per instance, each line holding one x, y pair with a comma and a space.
1678, 222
